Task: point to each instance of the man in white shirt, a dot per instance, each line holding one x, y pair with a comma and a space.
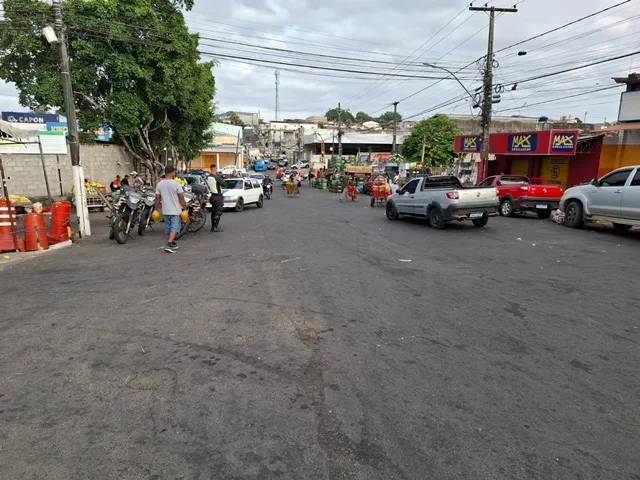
215, 182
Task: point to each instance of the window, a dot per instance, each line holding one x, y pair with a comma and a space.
411, 186
617, 179
487, 182
441, 182
247, 185
256, 183
514, 180
636, 179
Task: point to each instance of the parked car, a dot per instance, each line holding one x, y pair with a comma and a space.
517, 194
240, 192
613, 198
272, 165
298, 166
283, 163
442, 199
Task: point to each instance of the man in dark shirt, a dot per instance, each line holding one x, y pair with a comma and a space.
215, 182
345, 187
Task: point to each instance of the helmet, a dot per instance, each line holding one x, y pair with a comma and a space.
184, 216
134, 173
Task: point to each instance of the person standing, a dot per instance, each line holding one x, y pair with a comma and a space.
215, 182
173, 204
125, 181
345, 179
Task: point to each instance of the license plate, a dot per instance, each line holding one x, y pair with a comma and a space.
476, 214
543, 206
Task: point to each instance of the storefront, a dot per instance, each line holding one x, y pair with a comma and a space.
553, 157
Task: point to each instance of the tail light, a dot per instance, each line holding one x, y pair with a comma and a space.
453, 195
524, 189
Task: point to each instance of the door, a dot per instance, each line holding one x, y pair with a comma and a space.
406, 203
631, 198
606, 200
555, 171
520, 166
257, 189
249, 192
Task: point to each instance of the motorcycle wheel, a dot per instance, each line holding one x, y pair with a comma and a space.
184, 229
143, 222
120, 228
268, 194
198, 220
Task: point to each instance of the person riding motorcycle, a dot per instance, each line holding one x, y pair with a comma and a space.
136, 181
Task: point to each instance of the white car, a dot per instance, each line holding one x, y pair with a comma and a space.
229, 169
298, 166
257, 176
240, 192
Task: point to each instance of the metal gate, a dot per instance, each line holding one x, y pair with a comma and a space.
520, 166
555, 171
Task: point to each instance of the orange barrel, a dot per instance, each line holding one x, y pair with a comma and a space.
6, 235
58, 229
35, 233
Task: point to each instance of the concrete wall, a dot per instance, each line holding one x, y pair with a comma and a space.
101, 162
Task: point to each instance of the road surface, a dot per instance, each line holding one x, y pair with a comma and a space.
317, 340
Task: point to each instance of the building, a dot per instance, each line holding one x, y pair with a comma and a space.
248, 118
320, 145
554, 157
225, 148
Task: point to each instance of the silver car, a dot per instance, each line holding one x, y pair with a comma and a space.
613, 198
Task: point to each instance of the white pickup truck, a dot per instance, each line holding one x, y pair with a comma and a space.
442, 199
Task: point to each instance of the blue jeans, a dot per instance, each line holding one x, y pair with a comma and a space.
172, 223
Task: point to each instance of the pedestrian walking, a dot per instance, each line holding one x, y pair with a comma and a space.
173, 205
215, 182
295, 177
345, 179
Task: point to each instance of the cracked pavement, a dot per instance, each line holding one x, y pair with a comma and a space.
296, 344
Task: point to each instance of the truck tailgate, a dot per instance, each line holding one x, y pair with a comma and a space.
477, 197
544, 191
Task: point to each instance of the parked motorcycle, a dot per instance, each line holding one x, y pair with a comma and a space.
146, 217
125, 215
268, 191
196, 199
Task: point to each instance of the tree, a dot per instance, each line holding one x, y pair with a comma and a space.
345, 116
387, 118
438, 133
140, 74
362, 117
234, 119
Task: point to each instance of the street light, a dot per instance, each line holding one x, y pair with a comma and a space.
433, 65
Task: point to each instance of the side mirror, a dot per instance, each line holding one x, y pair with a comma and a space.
595, 182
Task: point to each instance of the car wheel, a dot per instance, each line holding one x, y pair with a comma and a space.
260, 203
392, 212
506, 208
480, 222
573, 217
240, 205
544, 214
621, 227
435, 218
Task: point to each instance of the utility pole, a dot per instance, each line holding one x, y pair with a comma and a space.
395, 112
339, 131
488, 85
72, 124
424, 142
277, 94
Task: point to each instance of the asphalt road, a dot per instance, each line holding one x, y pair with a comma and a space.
317, 340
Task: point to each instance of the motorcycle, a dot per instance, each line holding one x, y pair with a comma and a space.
125, 214
196, 198
268, 191
146, 214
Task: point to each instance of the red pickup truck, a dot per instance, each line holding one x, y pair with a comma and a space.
517, 194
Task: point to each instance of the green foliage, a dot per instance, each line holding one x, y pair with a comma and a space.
134, 66
234, 119
346, 116
386, 118
438, 133
362, 117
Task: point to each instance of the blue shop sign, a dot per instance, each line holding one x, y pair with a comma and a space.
29, 117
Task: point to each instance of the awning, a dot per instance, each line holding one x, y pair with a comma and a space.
16, 131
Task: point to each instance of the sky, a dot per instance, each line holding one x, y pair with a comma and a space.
367, 55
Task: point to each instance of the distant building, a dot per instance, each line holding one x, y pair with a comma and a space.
225, 148
249, 118
318, 119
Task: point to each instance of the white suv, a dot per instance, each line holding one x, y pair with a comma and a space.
239, 192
